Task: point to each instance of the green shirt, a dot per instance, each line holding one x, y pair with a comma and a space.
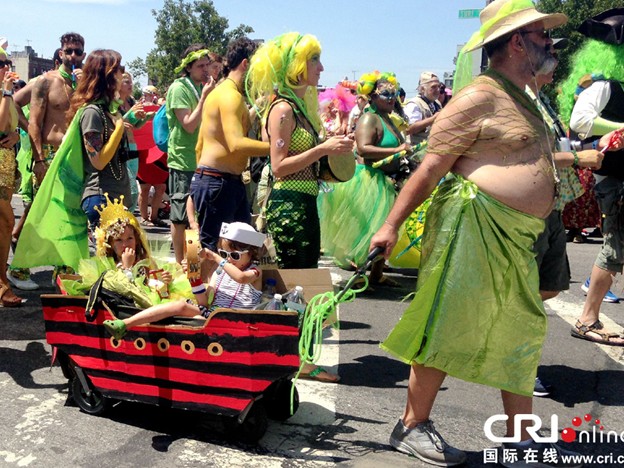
182, 94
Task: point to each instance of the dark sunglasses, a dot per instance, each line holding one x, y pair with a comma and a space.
387, 95
543, 33
5, 63
70, 51
234, 255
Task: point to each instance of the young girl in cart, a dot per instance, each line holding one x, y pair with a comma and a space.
236, 283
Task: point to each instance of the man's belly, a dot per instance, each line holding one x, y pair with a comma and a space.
218, 158
526, 188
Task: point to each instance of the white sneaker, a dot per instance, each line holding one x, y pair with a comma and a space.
24, 283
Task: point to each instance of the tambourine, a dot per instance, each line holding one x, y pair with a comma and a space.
337, 168
191, 253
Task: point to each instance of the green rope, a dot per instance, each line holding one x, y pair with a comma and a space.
318, 309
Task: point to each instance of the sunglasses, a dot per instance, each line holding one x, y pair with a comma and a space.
234, 255
388, 95
543, 33
5, 63
70, 51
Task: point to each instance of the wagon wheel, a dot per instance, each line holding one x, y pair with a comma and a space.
277, 400
93, 403
251, 430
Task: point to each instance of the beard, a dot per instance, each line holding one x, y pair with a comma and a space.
541, 60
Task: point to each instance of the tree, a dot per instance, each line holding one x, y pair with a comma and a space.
577, 11
180, 24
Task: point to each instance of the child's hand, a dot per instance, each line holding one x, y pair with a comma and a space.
166, 277
184, 264
209, 255
127, 258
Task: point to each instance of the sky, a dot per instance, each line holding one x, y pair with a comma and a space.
406, 37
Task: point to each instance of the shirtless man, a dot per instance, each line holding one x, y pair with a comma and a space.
477, 313
49, 101
224, 149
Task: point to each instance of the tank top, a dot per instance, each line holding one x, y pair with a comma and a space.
389, 139
233, 295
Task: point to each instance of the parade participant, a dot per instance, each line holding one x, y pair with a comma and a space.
236, 283
597, 111
354, 210
91, 165
497, 155
223, 149
185, 102
288, 68
421, 110
49, 100
8, 125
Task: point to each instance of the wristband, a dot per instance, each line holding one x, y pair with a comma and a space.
595, 144
196, 282
39, 161
128, 273
199, 289
576, 158
220, 267
390, 224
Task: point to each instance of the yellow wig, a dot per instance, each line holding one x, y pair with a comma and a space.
277, 68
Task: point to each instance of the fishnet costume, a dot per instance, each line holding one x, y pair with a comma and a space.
291, 212
487, 110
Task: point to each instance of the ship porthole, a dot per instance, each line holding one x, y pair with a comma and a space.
215, 349
139, 344
163, 345
188, 347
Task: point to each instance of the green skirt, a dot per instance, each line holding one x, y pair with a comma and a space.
477, 313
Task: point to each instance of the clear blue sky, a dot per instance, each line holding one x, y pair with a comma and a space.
403, 36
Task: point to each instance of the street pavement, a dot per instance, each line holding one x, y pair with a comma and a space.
336, 424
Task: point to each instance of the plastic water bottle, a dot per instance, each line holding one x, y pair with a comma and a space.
269, 289
295, 302
276, 303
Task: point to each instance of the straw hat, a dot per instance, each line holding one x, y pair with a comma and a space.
505, 16
427, 77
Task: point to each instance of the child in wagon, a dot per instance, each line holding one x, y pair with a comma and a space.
236, 283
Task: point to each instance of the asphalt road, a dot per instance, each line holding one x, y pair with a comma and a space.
348, 423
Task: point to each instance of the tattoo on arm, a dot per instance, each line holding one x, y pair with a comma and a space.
93, 144
38, 104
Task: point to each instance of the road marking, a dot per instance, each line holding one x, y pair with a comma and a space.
571, 311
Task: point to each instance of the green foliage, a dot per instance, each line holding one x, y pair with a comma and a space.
577, 12
181, 23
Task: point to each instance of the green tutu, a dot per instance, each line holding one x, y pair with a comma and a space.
352, 212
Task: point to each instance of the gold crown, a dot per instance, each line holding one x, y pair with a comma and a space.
114, 217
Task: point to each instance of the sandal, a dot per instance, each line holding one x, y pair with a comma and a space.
8, 297
580, 330
317, 374
386, 281
147, 223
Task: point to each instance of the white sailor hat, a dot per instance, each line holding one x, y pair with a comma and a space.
242, 232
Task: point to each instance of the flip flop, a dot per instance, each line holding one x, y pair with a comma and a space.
317, 374
386, 281
8, 297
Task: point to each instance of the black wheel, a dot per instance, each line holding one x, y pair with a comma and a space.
277, 400
251, 430
94, 403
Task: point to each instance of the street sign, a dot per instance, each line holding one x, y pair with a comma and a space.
466, 14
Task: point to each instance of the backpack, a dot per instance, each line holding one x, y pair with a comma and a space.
160, 129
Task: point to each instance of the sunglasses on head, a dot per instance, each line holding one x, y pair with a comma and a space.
5, 63
70, 51
234, 255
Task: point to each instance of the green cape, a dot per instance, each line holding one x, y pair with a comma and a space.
55, 232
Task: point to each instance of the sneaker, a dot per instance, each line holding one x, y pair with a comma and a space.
424, 442
20, 278
531, 454
541, 390
609, 297
116, 327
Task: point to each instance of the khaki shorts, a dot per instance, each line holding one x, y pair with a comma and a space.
179, 185
609, 196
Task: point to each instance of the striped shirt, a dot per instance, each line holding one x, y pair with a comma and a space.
233, 295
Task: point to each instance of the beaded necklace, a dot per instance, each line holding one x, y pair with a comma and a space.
120, 168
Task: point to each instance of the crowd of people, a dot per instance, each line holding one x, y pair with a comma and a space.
509, 176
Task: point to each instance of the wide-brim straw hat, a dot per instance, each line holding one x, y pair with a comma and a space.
502, 17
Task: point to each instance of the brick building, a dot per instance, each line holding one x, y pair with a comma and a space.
27, 63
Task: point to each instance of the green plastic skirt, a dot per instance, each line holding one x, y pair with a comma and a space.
477, 314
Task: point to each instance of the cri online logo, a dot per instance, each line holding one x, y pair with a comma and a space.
593, 434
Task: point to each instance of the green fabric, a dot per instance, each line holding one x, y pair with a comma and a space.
181, 145
55, 232
477, 313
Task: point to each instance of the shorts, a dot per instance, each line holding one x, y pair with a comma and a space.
89, 204
179, 186
49, 152
608, 195
551, 256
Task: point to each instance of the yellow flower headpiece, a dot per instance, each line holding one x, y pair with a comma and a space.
368, 81
114, 218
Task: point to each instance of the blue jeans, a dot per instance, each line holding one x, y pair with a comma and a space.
218, 199
88, 206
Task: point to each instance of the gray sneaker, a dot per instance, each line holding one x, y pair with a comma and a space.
537, 454
424, 442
